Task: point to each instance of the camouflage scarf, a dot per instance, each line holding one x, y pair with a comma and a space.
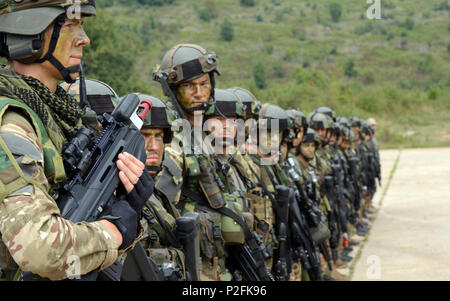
64, 107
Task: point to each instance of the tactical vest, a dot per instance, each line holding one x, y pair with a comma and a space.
51, 144
12, 177
53, 163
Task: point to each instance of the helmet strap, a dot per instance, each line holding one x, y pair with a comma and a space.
65, 71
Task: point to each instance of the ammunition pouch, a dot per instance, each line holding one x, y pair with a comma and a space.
232, 232
320, 233
209, 185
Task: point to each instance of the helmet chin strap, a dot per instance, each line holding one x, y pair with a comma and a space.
65, 71
203, 107
157, 169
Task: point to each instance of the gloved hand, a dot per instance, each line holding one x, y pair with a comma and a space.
141, 192
125, 218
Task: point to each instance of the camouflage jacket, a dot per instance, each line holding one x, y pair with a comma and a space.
34, 235
207, 185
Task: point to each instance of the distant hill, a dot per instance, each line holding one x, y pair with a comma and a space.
313, 53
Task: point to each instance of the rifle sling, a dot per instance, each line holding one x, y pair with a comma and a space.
224, 210
170, 235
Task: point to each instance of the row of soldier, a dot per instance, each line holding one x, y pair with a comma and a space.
322, 166
287, 204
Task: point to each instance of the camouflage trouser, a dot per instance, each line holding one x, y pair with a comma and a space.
213, 271
340, 244
351, 229
296, 273
325, 269
268, 263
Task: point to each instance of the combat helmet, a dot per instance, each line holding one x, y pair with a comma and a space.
327, 111
298, 119
269, 113
366, 129
250, 103
311, 136
157, 117
226, 104
297, 122
344, 122
186, 62
355, 121
320, 121
22, 26
101, 97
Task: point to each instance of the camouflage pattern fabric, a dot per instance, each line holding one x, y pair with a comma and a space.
33, 234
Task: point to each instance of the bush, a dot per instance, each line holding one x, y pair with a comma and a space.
335, 12
259, 75
409, 24
156, 2
204, 15
278, 71
248, 3
350, 69
227, 31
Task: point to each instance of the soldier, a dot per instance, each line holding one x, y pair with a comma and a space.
101, 98
187, 77
372, 168
44, 45
159, 214
357, 155
322, 125
259, 203
231, 166
374, 147
373, 123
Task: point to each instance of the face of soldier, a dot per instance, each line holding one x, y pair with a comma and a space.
154, 146
195, 92
345, 144
269, 143
222, 129
356, 131
333, 139
322, 133
299, 138
308, 149
340, 140
374, 127
69, 48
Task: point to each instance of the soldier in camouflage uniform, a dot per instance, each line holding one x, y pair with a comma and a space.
159, 214
188, 71
36, 118
363, 172
101, 99
272, 174
249, 172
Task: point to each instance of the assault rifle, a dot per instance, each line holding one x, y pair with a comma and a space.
357, 195
90, 162
333, 220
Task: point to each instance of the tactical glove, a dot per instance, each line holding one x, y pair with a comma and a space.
125, 218
141, 192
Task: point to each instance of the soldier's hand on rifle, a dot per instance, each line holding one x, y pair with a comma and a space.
136, 180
